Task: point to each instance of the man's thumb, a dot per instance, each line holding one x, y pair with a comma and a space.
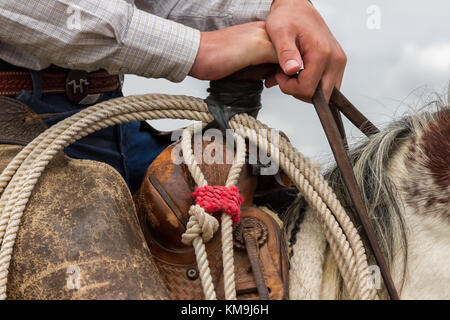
289, 57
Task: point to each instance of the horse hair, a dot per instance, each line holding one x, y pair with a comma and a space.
370, 159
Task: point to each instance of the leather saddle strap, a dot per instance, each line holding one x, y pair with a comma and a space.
343, 162
12, 82
252, 246
19, 124
339, 101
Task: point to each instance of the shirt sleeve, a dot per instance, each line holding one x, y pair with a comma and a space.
207, 15
95, 34
157, 48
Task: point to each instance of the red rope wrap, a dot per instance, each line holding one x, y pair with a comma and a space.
218, 199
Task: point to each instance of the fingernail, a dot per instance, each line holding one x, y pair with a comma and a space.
291, 64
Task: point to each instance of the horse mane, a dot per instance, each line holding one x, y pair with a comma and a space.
372, 160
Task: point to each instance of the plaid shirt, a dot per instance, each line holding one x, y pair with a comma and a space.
150, 38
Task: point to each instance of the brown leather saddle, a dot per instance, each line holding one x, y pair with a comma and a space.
260, 251
163, 201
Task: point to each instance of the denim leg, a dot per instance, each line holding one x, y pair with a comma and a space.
139, 149
125, 147
103, 145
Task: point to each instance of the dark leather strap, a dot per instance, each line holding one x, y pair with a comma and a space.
12, 82
338, 119
251, 245
352, 113
18, 123
229, 97
340, 154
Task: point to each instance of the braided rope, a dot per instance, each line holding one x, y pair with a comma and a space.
192, 226
227, 224
200, 229
19, 178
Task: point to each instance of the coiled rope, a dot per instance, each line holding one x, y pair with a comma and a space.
18, 179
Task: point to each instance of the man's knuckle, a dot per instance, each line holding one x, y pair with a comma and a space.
284, 89
323, 49
286, 52
277, 28
341, 57
308, 92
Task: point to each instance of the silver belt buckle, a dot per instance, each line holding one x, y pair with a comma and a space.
77, 85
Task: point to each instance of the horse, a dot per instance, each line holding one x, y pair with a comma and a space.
404, 176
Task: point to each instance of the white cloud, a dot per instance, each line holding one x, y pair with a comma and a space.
433, 57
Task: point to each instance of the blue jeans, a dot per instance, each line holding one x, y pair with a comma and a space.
128, 147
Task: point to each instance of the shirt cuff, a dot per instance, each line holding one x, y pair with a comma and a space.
154, 47
244, 11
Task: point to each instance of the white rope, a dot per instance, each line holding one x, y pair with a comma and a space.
22, 173
200, 229
195, 229
227, 224
341, 234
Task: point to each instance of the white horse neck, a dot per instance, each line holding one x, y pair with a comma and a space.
420, 171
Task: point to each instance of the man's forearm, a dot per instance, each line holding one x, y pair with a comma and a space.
112, 35
115, 35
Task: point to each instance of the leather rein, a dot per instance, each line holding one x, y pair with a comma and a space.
331, 121
223, 106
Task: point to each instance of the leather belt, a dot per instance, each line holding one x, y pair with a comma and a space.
76, 84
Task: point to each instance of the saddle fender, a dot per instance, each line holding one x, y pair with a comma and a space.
79, 237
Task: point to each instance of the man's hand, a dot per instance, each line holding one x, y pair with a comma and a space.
231, 49
301, 36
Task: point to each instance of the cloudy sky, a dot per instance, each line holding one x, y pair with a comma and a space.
390, 70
